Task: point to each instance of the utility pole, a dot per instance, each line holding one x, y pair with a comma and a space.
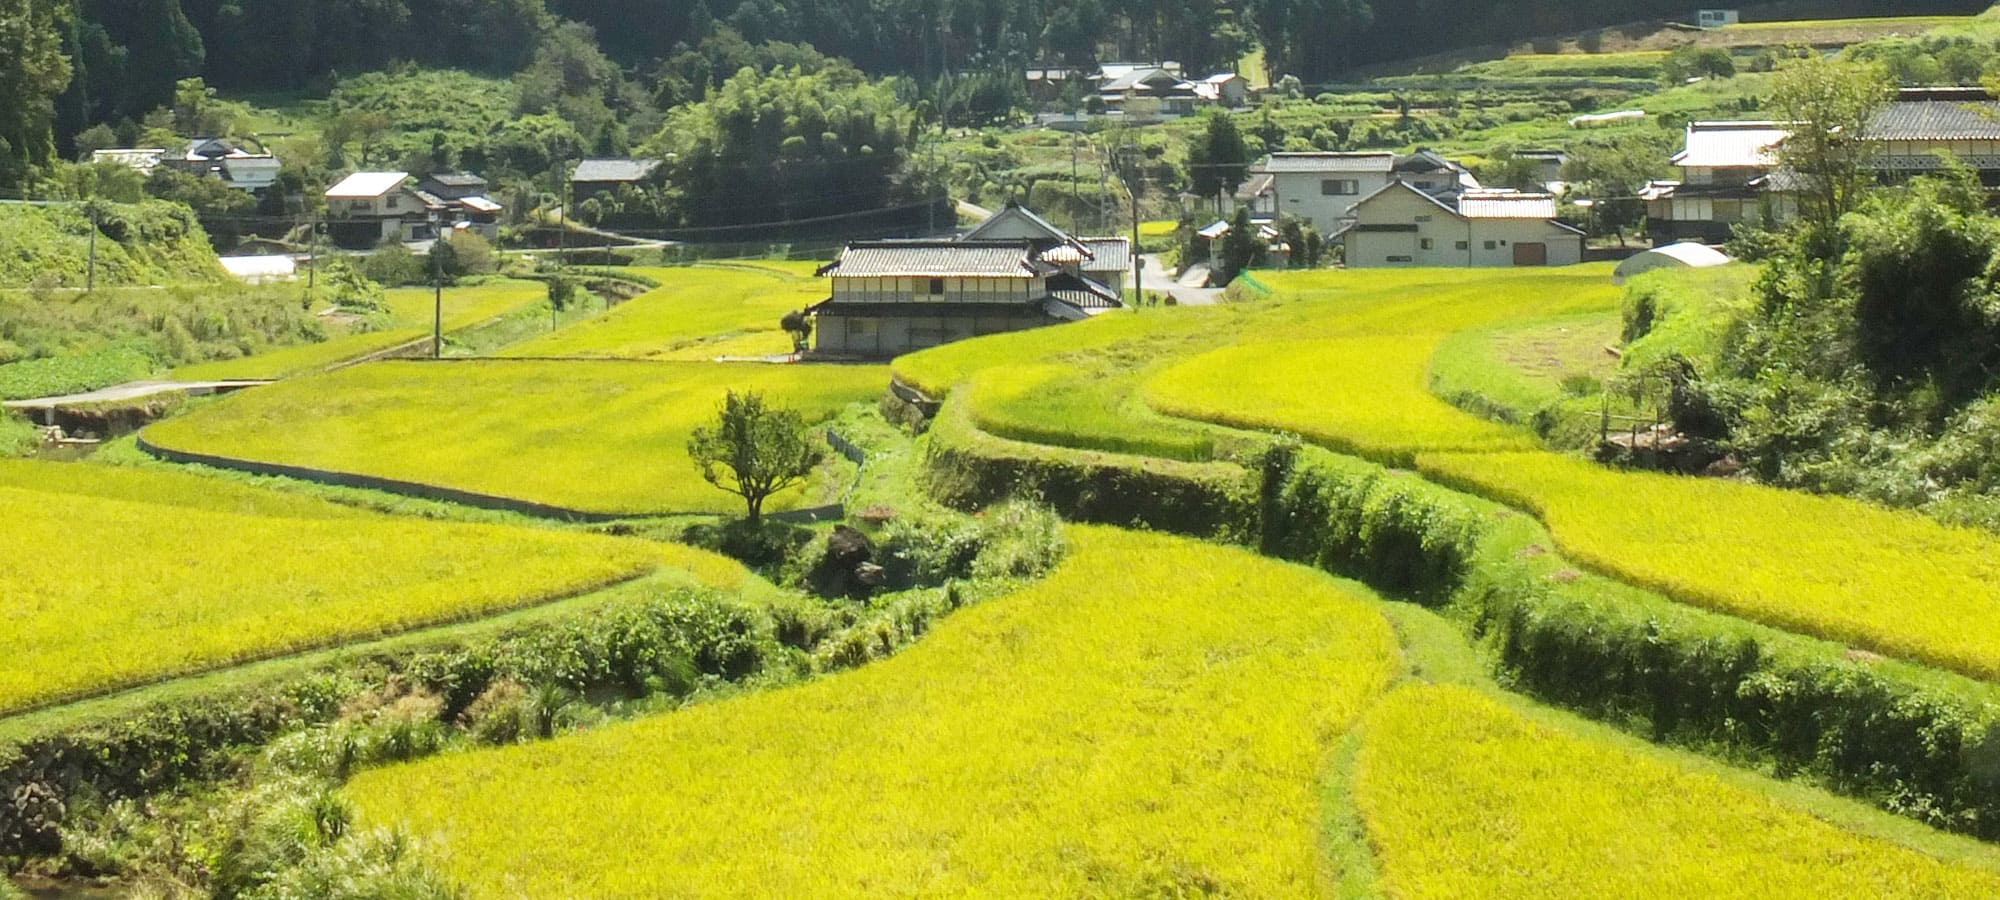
312, 257
437, 292
90, 275
1130, 157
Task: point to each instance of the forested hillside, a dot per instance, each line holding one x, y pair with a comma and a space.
112, 60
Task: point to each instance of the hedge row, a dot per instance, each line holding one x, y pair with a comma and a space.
969, 468
663, 643
1916, 741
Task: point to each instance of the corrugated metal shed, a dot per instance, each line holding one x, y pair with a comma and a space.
936, 259
1507, 206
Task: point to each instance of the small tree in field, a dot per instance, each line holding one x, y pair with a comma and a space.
754, 450
800, 326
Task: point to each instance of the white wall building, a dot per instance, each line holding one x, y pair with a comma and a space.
1399, 225
1319, 188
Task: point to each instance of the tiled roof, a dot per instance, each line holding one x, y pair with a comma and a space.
458, 179
936, 259
1937, 120
614, 169
1107, 253
1292, 163
1727, 145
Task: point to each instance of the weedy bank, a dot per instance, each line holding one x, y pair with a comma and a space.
595, 436
1154, 717
410, 315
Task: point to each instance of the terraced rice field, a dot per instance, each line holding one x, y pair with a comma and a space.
697, 313
595, 436
1464, 798
1893, 582
1153, 719
137, 578
411, 311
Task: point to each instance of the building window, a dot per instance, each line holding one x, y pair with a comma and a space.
1491, 245
1424, 244
937, 286
390, 203
1463, 245
859, 328
1401, 258
1339, 187
1423, 218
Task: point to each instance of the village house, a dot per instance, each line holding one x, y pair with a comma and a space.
1014, 272
1730, 175
1225, 89
1147, 91
602, 177
1321, 188
460, 198
1725, 169
218, 158
367, 208
1401, 225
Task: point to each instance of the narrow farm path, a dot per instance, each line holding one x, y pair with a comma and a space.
1152, 719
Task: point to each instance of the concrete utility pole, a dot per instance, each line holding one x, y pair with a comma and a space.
437, 291
1131, 161
90, 275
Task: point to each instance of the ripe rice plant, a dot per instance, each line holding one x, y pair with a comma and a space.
410, 312
1893, 582
604, 436
697, 312
1365, 396
1153, 719
1463, 798
166, 487
101, 592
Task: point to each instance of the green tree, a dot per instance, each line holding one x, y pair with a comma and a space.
33, 72
754, 450
800, 326
1218, 158
1242, 248
1829, 103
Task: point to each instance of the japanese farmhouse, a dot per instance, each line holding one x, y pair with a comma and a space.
1013, 272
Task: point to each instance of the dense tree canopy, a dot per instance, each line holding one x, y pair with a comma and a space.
785, 145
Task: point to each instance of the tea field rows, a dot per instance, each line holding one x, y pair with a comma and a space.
1152, 719
107, 586
598, 436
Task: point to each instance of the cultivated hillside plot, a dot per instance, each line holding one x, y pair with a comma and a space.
1464, 798
697, 313
1153, 720
99, 590
411, 311
606, 437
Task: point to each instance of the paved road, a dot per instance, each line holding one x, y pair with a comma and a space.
1155, 279
132, 390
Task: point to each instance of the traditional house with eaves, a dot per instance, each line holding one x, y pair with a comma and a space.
1015, 271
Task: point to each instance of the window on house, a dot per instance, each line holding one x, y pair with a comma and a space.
937, 286
1423, 218
1400, 258
390, 203
1490, 245
1339, 187
1424, 244
1463, 245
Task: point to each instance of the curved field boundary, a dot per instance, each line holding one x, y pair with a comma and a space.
473, 499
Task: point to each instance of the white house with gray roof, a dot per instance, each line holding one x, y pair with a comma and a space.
1401, 225
604, 176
